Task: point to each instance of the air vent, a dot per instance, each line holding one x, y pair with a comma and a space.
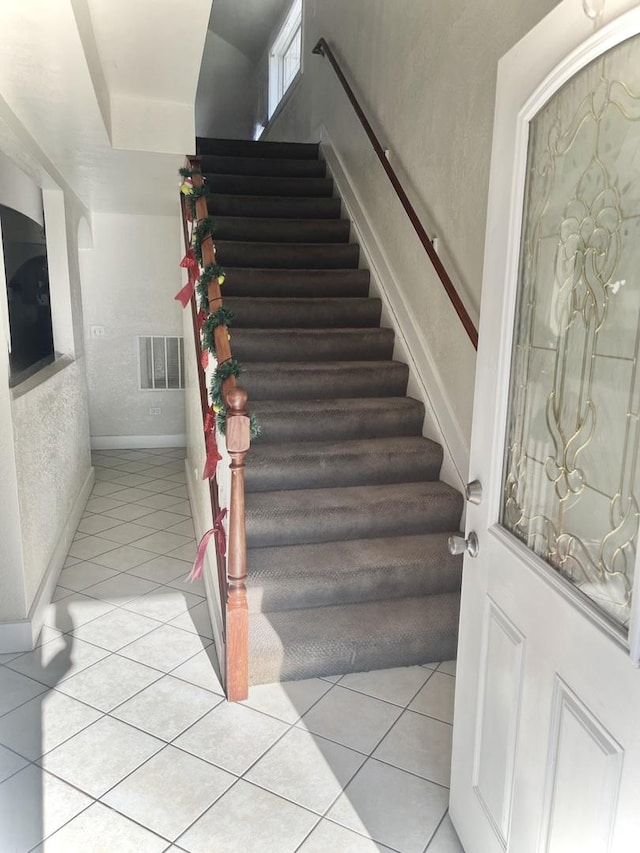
161, 363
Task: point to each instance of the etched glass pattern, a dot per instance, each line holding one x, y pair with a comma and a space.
571, 475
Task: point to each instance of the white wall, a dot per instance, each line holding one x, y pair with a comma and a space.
226, 91
62, 74
149, 54
425, 74
12, 587
12, 590
130, 278
51, 440
44, 449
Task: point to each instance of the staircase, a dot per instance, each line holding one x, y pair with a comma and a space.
347, 521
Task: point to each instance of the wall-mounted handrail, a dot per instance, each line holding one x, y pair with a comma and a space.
237, 433
323, 49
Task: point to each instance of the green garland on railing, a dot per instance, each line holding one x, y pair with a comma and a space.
202, 191
221, 424
221, 317
207, 275
203, 229
223, 371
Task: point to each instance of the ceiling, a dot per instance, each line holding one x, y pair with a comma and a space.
247, 24
86, 107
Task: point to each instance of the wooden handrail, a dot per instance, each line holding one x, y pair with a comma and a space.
323, 49
232, 581
204, 407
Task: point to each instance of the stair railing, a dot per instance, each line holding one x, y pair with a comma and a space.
323, 49
232, 579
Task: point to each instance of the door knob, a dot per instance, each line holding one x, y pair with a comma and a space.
460, 545
473, 492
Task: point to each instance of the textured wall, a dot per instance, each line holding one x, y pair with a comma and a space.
51, 439
129, 280
226, 91
44, 449
425, 74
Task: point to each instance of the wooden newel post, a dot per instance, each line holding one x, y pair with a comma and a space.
237, 617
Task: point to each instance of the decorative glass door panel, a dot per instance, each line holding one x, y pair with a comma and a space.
572, 485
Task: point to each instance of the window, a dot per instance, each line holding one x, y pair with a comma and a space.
27, 281
161, 363
285, 56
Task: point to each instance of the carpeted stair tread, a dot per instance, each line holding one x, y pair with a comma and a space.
273, 206
250, 148
274, 166
259, 312
375, 344
325, 464
352, 637
236, 253
270, 186
334, 420
301, 516
296, 284
282, 380
328, 573
269, 230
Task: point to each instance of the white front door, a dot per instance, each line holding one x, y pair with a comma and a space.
546, 752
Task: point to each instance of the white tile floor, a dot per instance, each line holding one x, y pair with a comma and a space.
115, 736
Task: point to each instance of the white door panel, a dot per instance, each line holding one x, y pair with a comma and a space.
546, 754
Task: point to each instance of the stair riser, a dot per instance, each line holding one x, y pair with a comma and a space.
293, 345
282, 230
371, 569
347, 425
259, 314
290, 382
322, 472
249, 148
369, 520
263, 166
287, 256
284, 208
289, 187
373, 656
432, 577
285, 659
296, 283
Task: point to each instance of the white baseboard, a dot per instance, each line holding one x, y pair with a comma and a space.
22, 635
202, 522
425, 382
16, 636
136, 442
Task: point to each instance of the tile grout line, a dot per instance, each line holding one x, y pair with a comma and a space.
368, 757
436, 830
297, 724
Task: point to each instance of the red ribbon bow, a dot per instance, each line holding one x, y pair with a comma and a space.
213, 456
221, 545
189, 263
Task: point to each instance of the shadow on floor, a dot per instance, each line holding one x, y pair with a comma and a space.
35, 718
